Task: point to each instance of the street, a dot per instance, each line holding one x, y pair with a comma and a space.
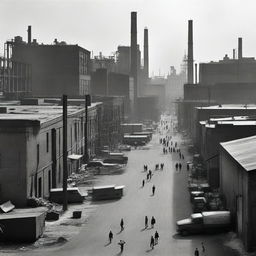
170, 203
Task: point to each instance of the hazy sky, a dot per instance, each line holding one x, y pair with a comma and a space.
102, 25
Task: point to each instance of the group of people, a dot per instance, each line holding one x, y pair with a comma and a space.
153, 240
121, 242
197, 251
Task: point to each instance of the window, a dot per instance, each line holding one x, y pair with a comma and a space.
37, 154
47, 142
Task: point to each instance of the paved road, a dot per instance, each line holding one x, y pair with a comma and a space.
169, 203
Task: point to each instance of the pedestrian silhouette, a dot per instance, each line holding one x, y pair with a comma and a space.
110, 236
152, 242
156, 237
180, 165
176, 166
187, 167
150, 174
203, 248
143, 183
122, 224
121, 243
196, 252
146, 222
153, 221
153, 190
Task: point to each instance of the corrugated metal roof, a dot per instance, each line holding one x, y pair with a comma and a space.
243, 151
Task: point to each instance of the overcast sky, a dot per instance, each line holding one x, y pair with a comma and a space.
102, 25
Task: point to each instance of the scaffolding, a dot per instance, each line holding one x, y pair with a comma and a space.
15, 77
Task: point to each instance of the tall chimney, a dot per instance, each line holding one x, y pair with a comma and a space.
134, 64
240, 48
146, 64
190, 53
29, 34
196, 73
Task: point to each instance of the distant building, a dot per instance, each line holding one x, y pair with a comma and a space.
56, 69
103, 62
228, 71
34, 165
112, 116
104, 83
238, 184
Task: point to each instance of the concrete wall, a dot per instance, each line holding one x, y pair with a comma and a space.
234, 186
12, 165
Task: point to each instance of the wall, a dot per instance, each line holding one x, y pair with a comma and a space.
12, 165
234, 186
56, 69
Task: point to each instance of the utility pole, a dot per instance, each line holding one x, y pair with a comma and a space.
65, 153
87, 103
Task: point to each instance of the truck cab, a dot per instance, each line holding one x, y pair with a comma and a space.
204, 222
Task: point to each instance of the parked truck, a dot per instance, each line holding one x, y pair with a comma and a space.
204, 222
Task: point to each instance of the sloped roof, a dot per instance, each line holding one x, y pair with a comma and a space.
243, 151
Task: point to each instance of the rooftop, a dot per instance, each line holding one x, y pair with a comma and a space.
243, 151
234, 121
41, 113
230, 106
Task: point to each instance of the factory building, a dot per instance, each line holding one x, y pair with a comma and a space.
55, 69
34, 165
238, 184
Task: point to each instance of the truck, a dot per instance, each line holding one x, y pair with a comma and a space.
116, 158
107, 192
203, 222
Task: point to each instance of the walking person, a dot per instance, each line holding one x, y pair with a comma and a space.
122, 224
152, 242
196, 252
153, 190
203, 248
180, 166
153, 222
110, 236
146, 222
143, 183
121, 243
156, 237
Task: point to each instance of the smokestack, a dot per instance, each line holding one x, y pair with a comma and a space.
190, 52
240, 48
196, 73
146, 64
133, 67
29, 34
234, 54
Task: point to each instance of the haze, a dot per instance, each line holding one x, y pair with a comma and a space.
102, 25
